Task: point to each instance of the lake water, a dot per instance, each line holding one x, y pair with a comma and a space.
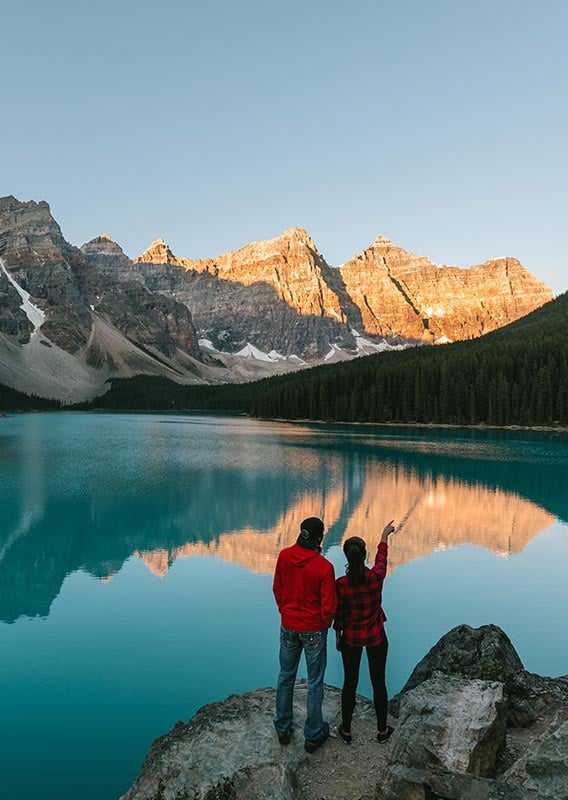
136, 559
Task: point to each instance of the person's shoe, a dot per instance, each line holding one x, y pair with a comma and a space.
382, 737
347, 738
311, 745
284, 738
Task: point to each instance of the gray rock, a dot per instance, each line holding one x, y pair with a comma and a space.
544, 767
406, 783
453, 724
484, 653
228, 751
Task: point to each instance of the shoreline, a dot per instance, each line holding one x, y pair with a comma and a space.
428, 425
480, 426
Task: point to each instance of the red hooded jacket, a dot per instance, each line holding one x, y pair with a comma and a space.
304, 588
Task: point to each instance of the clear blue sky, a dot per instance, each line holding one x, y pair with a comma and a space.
442, 124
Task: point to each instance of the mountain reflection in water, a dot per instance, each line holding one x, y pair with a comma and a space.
441, 513
86, 492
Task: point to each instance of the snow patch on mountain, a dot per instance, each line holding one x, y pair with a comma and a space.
250, 351
334, 354
330, 353
35, 315
365, 346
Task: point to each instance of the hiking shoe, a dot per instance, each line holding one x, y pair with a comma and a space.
347, 738
382, 737
284, 738
311, 745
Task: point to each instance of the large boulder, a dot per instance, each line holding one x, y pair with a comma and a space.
453, 724
484, 653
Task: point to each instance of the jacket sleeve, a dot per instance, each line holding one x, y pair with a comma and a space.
380, 567
328, 597
277, 586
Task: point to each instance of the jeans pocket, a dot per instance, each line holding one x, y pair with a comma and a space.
288, 639
312, 641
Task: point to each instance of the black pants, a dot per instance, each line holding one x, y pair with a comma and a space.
377, 658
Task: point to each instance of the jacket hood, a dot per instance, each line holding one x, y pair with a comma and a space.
299, 556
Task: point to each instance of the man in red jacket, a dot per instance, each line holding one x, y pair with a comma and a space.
304, 588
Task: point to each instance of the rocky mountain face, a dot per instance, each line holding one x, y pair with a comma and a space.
107, 256
470, 723
280, 295
40, 260
63, 321
149, 318
397, 291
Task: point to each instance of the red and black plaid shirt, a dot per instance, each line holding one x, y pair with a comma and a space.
359, 614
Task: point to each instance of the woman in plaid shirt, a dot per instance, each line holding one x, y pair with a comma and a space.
359, 623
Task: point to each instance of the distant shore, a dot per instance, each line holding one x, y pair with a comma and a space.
427, 425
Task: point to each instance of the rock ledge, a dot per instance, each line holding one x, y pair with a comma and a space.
470, 724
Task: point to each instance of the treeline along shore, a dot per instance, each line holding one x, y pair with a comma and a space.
517, 375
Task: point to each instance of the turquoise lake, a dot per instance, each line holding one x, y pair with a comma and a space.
136, 559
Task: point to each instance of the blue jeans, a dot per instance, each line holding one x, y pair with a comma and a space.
314, 646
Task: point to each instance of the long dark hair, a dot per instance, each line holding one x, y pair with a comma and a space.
356, 552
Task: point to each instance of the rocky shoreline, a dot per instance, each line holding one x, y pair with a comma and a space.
470, 724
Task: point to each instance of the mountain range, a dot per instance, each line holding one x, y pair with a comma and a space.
72, 318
